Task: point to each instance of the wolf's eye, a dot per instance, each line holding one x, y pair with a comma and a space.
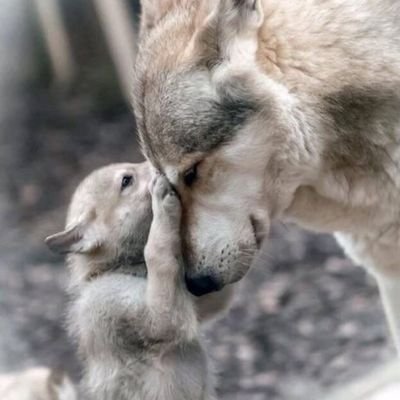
127, 181
191, 175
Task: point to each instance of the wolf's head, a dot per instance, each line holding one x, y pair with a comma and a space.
212, 121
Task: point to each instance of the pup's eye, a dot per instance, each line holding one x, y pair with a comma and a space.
127, 180
191, 175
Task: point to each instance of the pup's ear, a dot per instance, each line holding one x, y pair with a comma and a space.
82, 238
154, 10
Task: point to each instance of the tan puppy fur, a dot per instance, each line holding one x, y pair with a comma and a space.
132, 316
276, 109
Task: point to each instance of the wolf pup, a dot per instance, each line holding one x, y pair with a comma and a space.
134, 320
261, 110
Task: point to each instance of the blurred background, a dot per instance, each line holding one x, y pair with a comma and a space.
304, 320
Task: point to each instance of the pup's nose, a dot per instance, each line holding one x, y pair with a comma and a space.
199, 286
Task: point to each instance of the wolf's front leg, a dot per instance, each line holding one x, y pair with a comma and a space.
169, 304
381, 260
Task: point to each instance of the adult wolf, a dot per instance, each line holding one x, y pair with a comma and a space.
276, 109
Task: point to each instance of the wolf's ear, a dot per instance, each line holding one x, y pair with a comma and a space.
227, 22
80, 239
154, 10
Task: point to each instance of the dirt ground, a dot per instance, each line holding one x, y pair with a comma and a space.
304, 319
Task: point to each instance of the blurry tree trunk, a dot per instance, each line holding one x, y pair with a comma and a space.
57, 40
118, 25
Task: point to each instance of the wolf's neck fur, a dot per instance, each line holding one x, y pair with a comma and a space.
356, 183
307, 48
356, 95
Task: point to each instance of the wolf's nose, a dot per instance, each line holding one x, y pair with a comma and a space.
199, 286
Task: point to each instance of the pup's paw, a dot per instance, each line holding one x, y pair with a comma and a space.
245, 14
165, 200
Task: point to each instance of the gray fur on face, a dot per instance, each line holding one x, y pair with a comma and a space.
188, 115
180, 110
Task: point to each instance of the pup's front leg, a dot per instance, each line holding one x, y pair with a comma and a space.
163, 248
169, 304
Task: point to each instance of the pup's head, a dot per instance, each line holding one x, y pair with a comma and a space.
212, 122
109, 216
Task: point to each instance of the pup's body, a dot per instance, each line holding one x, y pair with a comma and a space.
296, 117
135, 322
